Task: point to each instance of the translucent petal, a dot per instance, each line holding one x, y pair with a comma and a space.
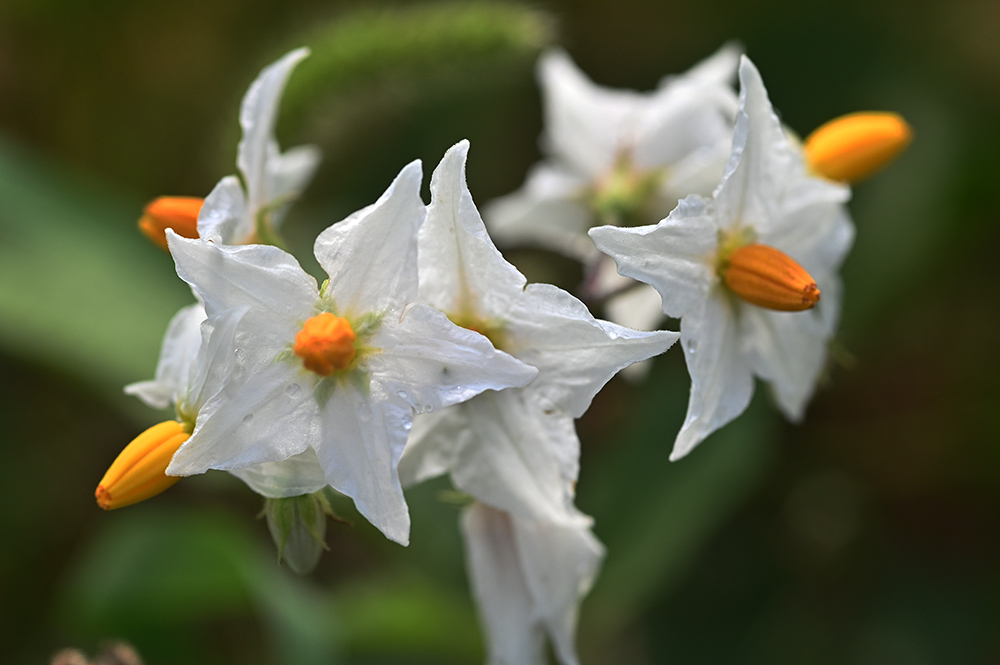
258, 115
575, 353
787, 349
721, 379
254, 419
585, 125
225, 218
362, 440
506, 608
433, 363
461, 270
675, 256
518, 458
287, 176
434, 443
177, 356
560, 563
269, 282
299, 474
371, 256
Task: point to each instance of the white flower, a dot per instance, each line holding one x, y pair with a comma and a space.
516, 450
336, 370
765, 197
618, 156
273, 179
527, 578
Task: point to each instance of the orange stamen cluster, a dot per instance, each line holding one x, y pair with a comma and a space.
138, 472
326, 344
179, 213
852, 147
767, 277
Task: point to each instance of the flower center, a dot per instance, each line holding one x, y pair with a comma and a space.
769, 278
326, 344
622, 192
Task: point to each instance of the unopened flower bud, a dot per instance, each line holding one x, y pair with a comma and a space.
854, 146
179, 213
769, 278
298, 528
138, 472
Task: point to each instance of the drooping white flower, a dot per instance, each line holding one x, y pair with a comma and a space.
516, 450
766, 198
335, 372
233, 215
618, 156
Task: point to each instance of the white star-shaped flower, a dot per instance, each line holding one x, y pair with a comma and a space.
618, 154
697, 258
272, 179
337, 370
516, 450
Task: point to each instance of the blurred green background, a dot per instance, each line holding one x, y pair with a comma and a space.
866, 535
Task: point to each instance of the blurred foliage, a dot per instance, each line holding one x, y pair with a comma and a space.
865, 535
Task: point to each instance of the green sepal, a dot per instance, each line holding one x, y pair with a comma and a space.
298, 527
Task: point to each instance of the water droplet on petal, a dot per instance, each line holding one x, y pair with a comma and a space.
407, 425
247, 419
239, 354
365, 414
691, 346
428, 408
293, 389
403, 395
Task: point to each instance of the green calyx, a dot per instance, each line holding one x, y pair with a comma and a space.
298, 528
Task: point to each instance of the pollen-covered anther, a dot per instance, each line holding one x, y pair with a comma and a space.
326, 344
179, 213
138, 473
854, 146
767, 277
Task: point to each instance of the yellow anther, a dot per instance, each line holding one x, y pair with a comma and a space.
326, 344
767, 277
138, 472
179, 213
854, 146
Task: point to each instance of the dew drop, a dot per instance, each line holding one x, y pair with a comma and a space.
691, 346
408, 425
293, 389
239, 354
403, 394
365, 414
428, 408
247, 419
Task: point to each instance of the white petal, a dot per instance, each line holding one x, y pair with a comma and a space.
788, 350
640, 308
575, 353
433, 363
560, 563
721, 379
224, 217
518, 458
460, 268
269, 282
434, 443
287, 176
585, 125
254, 419
258, 115
177, 355
363, 437
674, 256
689, 112
215, 362
371, 256
528, 579
297, 475
514, 632
761, 160
548, 211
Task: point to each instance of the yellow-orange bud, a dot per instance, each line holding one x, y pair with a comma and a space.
326, 344
179, 213
854, 146
767, 277
138, 472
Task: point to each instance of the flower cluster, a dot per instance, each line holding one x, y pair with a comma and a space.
424, 352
